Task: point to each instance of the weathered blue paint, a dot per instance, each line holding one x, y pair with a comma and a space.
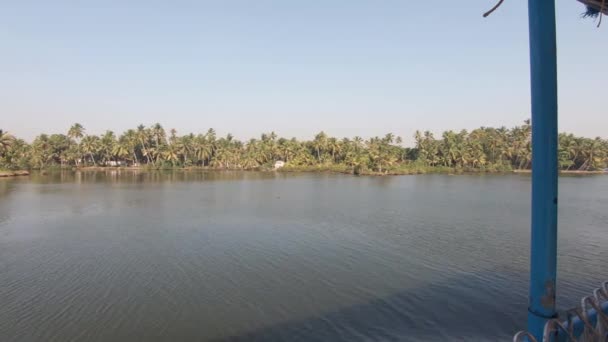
543, 70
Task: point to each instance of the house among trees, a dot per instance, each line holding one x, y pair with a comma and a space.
116, 163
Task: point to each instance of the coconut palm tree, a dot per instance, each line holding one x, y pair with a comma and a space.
106, 146
320, 144
90, 146
334, 147
76, 131
158, 133
17, 155
170, 153
120, 151
41, 151
593, 155
185, 147
142, 137
203, 149
6, 141
287, 149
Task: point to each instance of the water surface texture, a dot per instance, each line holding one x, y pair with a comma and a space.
199, 256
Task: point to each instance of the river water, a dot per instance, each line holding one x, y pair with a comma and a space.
199, 256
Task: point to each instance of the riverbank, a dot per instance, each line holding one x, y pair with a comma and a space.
420, 170
330, 168
570, 172
8, 173
403, 170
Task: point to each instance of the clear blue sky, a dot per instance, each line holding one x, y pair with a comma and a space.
347, 67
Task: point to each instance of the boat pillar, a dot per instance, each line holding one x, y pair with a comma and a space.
543, 257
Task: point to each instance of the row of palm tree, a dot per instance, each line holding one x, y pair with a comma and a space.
482, 148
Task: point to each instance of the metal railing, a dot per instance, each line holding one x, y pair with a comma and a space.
588, 322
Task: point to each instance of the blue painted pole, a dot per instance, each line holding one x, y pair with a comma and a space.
543, 258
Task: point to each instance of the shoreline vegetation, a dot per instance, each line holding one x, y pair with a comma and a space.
296, 169
291, 169
482, 150
13, 173
320, 169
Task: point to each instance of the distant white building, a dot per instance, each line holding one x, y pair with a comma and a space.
279, 164
114, 163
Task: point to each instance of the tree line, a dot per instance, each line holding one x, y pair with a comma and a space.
484, 148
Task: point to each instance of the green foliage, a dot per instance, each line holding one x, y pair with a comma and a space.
484, 149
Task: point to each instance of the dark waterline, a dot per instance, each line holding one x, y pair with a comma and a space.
197, 256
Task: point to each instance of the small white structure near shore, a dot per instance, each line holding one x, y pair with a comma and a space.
115, 163
279, 164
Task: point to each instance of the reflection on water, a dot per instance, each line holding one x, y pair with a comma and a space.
136, 176
126, 255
